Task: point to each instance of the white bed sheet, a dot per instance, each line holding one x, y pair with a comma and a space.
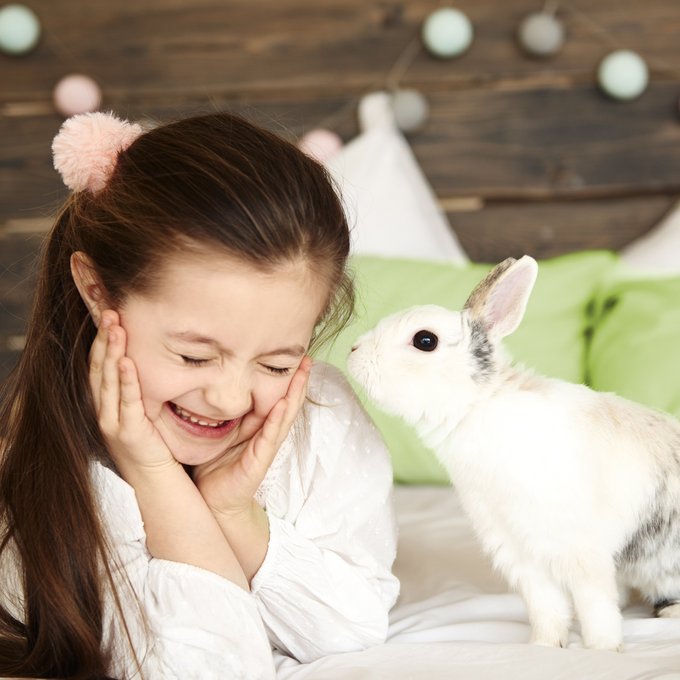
456, 619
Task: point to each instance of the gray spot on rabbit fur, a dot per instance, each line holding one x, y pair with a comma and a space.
663, 604
481, 350
660, 528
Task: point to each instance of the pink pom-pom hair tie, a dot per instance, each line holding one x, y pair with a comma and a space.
86, 149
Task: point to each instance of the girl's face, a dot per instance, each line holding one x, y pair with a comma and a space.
216, 346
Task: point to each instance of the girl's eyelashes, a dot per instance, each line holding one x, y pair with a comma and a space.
191, 361
278, 371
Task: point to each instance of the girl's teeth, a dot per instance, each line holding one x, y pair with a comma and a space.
187, 416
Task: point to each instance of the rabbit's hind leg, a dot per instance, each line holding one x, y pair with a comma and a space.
667, 608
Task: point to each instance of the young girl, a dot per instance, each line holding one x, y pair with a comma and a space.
172, 503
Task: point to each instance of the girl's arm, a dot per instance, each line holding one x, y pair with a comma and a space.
179, 525
181, 621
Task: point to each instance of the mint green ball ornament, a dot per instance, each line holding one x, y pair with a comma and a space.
19, 29
447, 32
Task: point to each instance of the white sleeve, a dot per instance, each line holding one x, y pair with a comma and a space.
326, 585
183, 622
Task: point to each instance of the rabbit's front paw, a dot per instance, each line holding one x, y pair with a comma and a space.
555, 636
611, 643
607, 637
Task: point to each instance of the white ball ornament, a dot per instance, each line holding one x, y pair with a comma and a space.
410, 109
19, 29
76, 93
447, 32
541, 34
623, 74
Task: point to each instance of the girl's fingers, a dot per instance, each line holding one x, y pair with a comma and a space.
97, 355
131, 406
281, 417
259, 455
297, 392
109, 394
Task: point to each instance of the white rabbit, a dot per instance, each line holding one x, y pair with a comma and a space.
572, 493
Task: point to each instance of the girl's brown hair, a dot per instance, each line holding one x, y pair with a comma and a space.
213, 181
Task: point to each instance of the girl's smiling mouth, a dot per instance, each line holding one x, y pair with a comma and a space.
200, 426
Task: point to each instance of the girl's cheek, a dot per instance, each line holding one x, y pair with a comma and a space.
157, 389
269, 395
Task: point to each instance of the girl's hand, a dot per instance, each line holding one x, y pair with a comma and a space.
229, 484
133, 440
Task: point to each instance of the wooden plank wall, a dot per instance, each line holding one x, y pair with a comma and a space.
525, 155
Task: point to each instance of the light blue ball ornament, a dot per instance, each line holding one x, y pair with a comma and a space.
623, 74
19, 29
447, 32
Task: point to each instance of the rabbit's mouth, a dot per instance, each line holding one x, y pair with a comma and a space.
360, 369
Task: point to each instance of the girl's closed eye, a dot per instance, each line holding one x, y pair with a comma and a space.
191, 361
277, 371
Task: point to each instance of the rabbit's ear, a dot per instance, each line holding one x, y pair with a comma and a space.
500, 300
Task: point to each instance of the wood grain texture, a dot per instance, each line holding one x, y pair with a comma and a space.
547, 162
547, 229
502, 125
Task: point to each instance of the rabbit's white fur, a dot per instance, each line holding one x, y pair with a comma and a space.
573, 493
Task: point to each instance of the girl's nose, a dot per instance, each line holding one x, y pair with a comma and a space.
230, 398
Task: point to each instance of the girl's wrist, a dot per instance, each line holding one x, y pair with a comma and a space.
244, 512
246, 529
134, 472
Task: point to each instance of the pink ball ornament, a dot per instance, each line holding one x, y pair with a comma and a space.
75, 94
320, 144
541, 34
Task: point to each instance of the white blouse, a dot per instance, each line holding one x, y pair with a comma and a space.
325, 585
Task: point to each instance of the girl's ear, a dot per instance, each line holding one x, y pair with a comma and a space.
88, 284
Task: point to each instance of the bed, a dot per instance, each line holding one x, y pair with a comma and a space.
456, 619
590, 313
484, 179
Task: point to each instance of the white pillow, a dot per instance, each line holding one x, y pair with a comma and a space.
658, 251
390, 205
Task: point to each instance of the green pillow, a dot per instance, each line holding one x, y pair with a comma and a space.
550, 338
635, 347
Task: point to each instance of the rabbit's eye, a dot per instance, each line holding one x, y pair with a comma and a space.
425, 341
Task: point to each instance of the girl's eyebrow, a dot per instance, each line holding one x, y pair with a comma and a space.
295, 351
195, 338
